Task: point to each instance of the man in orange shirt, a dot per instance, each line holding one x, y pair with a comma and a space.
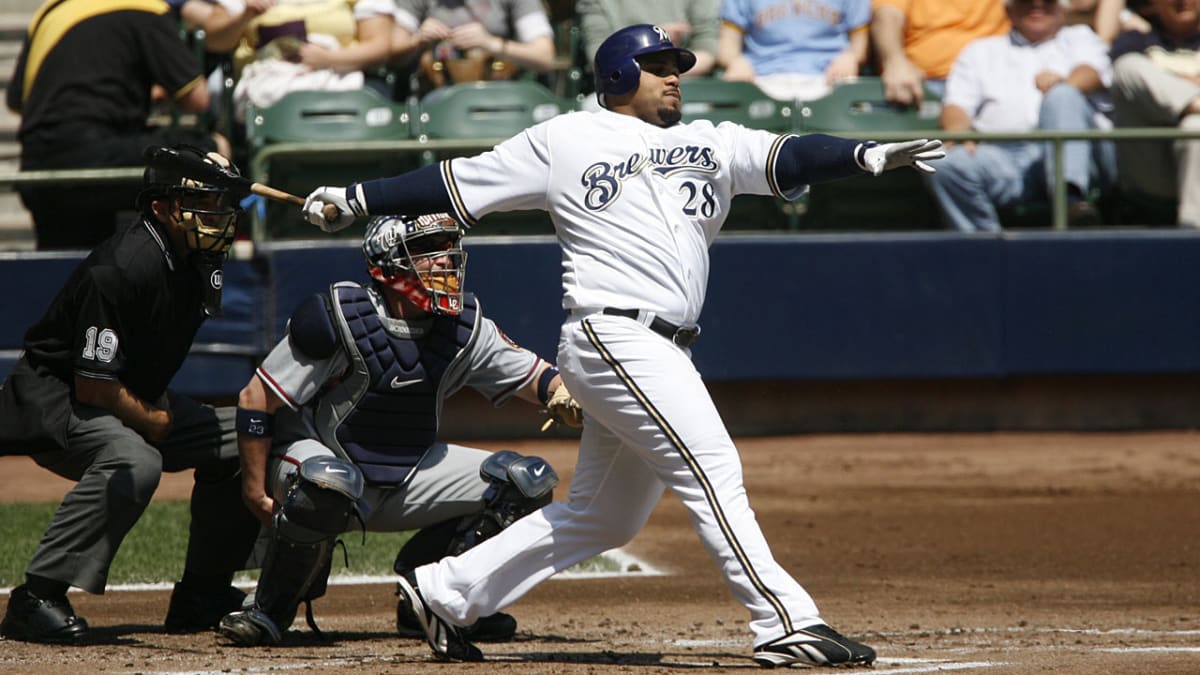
916, 41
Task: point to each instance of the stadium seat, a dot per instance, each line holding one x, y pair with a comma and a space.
898, 200
323, 122
717, 100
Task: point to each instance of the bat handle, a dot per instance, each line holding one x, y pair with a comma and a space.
331, 212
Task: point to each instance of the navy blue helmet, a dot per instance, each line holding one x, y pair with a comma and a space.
617, 69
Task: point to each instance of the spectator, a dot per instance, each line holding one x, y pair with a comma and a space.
223, 21
793, 51
415, 328
88, 400
1043, 75
303, 45
1107, 17
690, 23
1156, 82
449, 41
84, 96
916, 41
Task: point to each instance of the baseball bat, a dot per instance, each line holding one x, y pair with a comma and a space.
196, 168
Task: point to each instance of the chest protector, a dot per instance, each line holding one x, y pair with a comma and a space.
392, 418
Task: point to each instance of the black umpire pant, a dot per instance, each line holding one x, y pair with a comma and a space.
118, 471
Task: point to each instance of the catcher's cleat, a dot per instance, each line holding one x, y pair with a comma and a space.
445, 639
33, 619
817, 645
250, 628
499, 627
193, 609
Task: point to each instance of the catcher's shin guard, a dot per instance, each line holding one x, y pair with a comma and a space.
322, 498
518, 486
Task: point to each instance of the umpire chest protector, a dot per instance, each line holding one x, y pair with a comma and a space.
384, 414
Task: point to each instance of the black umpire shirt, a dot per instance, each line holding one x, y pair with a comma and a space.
86, 70
129, 312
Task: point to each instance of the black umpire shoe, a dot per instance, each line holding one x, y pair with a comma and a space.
499, 627
33, 619
445, 639
193, 609
817, 645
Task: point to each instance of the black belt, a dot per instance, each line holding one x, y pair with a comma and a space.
684, 337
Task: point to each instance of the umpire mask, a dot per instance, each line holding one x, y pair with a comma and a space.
207, 214
421, 258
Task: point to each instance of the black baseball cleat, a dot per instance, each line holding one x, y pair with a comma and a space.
193, 610
817, 645
33, 619
499, 627
445, 639
250, 628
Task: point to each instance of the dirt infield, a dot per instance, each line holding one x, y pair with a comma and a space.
991, 553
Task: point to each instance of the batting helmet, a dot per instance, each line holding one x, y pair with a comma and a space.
420, 257
208, 212
617, 69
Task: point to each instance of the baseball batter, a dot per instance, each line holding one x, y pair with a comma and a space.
636, 199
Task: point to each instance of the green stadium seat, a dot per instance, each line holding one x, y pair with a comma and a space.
897, 200
323, 122
496, 109
717, 100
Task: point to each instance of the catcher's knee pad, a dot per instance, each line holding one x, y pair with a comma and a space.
321, 499
518, 486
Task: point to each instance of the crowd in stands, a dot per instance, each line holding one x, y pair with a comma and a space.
991, 65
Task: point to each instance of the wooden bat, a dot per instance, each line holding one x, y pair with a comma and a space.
193, 167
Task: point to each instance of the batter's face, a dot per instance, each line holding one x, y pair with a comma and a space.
657, 99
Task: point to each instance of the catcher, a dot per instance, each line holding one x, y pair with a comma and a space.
339, 424
89, 401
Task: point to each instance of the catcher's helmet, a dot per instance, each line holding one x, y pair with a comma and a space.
617, 69
420, 257
208, 212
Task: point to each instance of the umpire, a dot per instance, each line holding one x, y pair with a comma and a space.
89, 401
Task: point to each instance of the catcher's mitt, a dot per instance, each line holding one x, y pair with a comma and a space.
563, 409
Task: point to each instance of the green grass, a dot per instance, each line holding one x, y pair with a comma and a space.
154, 549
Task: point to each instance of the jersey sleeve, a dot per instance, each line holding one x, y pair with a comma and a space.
497, 367
296, 378
752, 156
171, 62
512, 176
100, 329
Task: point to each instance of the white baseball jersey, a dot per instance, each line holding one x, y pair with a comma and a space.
635, 206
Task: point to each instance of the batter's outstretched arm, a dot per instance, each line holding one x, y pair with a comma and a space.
415, 192
819, 158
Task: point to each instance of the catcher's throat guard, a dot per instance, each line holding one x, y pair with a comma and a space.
421, 258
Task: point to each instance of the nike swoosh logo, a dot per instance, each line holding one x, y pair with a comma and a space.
397, 383
539, 471
255, 420
335, 469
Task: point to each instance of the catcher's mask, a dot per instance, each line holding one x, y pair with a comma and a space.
208, 213
420, 257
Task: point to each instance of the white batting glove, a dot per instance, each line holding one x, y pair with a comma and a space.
876, 159
563, 409
329, 209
